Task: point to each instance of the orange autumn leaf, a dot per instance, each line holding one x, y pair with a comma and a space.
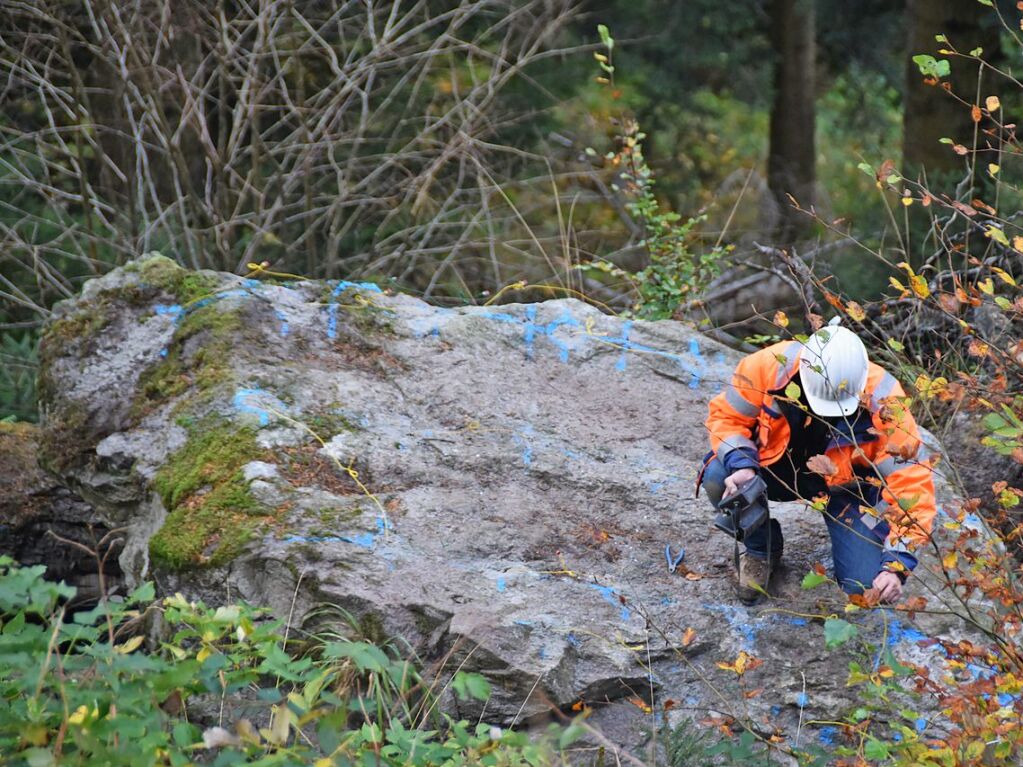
743, 662
688, 636
641, 705
975, 113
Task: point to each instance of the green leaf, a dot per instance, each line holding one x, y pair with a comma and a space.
837, 632
812, 580
468, 686
792, 391
993, 422
932, 67
895, 345
875, 749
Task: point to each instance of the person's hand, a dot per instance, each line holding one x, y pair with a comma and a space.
737, 479
889, 586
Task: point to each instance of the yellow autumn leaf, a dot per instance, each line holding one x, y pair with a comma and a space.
203, 653
1004, 276
1017, 243
899, 286
950, 560
919, 286
130, 646
907, 200
987, 286
855, 311
992, 103
781, 319
997, 235
78, 717
992, 168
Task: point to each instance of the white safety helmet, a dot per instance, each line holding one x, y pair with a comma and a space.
833, 369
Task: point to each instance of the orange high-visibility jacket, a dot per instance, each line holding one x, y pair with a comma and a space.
743, 416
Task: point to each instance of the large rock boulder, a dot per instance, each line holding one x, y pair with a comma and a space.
42, 522
494, 484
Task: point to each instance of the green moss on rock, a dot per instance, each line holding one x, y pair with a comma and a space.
161, 272
217, 330
211, 511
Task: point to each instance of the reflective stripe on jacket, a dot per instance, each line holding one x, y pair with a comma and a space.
744, 415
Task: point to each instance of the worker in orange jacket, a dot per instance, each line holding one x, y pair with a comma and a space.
788, 405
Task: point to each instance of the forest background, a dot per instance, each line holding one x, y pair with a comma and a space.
455, 150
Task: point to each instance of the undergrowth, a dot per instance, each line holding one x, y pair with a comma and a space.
220, 686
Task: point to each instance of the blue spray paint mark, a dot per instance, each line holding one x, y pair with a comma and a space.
163, 352
797, 621
243, 402
541, 653
695, 373
573, 640
623, 360
174, 310
612, 598
575, 455
530, 328
363, 540
283, 320
501, 584
827, 735
340, 288
655, 487
522, 440
899, 632
666, 601
920, 725
803, 700
775, 710
527, 624
738, 620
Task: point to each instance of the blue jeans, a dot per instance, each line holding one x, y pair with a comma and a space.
855, 547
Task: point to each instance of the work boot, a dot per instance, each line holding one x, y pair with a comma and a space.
754, 576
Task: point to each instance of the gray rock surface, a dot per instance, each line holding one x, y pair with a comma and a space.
518, 471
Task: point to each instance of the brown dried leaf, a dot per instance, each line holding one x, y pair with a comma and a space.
821, 464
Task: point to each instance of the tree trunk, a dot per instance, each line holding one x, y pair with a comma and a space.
929, 113
790, 164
